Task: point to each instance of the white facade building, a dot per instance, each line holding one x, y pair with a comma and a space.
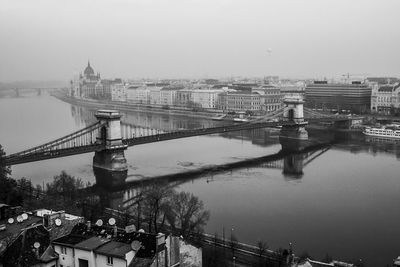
168, 96
118, 92
155, 95
93, 252
138, 94
384, 98
206, 98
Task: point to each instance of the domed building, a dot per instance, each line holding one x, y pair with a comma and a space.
89, 75
89, 70
90, 85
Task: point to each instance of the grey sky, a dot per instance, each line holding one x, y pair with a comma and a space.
50, 40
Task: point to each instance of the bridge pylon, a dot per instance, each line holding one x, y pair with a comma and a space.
293, 112
109, 164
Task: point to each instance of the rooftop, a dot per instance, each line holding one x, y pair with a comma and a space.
92, 243
388, 87
16, 227
69, 240
67, 216
114, 249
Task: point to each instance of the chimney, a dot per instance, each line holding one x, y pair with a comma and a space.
160, 239
88, 225
115, 230
46, 220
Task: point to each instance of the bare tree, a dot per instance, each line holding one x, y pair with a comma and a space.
188, 212
156, 202
262, 248
233, 244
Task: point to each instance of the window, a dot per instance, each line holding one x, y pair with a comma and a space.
110, 260
64, 250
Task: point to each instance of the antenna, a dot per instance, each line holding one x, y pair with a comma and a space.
58, 222
36, 245
10, 221
111, 221
99, 222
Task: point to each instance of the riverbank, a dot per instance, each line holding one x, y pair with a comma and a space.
91, 103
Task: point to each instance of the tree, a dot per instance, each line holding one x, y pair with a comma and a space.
156, 203
194, 106
67, 187
8, 193
5, 171
188, 213
262, 248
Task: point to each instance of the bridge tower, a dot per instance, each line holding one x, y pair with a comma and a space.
293, 112
109, 164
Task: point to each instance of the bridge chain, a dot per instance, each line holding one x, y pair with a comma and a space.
85, 136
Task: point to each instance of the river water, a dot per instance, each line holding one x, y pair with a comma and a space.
344, 201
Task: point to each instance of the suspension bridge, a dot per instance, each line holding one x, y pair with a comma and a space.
108, 137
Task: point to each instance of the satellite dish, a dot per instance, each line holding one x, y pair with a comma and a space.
135, 244
141, 231
10, 221
36, 245
24, 216
58, 222
111, 221
99, 222
19, 218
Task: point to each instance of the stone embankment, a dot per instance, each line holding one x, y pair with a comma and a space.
124, 106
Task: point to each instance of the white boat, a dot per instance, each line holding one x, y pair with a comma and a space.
385, 132
241, 119
219, 117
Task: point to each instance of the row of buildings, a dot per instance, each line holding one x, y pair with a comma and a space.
223, 97
376, 95
45, 238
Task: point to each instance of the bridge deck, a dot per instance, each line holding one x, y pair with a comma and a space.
204, 131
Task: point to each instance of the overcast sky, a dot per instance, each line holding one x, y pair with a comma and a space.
52, 40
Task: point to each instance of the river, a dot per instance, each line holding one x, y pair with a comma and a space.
346, 201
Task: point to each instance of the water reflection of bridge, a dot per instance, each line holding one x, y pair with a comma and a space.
292, 165
290, 162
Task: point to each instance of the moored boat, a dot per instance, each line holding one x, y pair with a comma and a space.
219, 117
389, 131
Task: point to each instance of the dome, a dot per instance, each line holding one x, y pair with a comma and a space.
88, 71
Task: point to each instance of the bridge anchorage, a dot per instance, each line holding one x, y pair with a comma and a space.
109, 163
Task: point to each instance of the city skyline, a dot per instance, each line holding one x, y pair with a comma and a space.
48, 40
